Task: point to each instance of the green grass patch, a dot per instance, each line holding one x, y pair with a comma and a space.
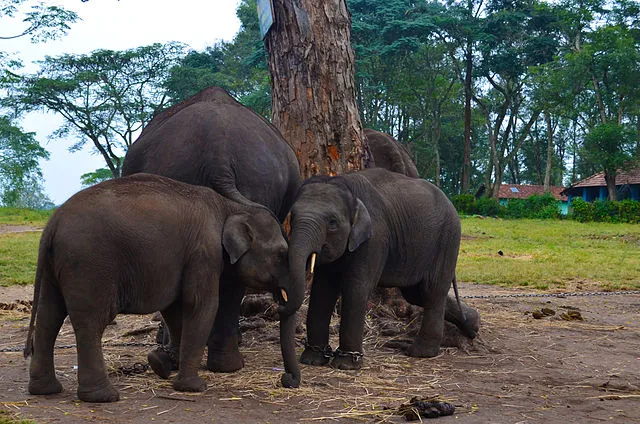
549, 254
18, 257
536, 254
14, 216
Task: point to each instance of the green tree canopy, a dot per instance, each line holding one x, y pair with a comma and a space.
105, 97
20, 175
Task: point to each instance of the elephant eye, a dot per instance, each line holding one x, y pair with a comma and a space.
333, 224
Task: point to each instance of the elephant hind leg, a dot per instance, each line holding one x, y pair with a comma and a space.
93, 380
428, 340
165, 359
51, 315
413, 294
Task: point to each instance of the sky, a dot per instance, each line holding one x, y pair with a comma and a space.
114, 25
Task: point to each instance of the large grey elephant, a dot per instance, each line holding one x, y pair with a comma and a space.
368, 228
145, 243
214, 141
389, 154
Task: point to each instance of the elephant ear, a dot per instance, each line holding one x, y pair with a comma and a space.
236, 237
361, 227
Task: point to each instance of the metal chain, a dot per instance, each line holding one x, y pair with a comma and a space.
561, 295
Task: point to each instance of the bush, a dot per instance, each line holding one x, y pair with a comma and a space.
464, 203
605, 211
537, 207
488, 206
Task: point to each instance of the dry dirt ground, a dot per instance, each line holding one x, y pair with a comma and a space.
519, 370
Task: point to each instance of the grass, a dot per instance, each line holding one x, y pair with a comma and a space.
18, 257
536, 254
14, 216
549, 254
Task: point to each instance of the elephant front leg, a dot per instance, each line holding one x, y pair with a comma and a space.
349, 356
324, 295
223, 353
200, 305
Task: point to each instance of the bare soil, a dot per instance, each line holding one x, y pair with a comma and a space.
519, 370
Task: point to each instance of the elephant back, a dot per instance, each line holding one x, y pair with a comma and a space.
389, 154
215, 141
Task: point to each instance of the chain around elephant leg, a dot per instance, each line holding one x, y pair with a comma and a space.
163, 360
316, 355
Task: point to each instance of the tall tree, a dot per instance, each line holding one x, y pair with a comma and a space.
105, 97
311, 63
20, 175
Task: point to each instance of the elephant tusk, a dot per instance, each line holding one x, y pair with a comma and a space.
284, 295
313, 262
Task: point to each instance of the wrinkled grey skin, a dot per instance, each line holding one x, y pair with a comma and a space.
140, 244
214, 141
368, 228
389, 154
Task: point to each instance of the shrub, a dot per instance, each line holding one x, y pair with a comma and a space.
464, 203
536, 206
605, 211
488, 206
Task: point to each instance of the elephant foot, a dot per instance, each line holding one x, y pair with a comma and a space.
189, 384
44, 386
343, 360
218, 361
316, 355
418, 350
98, 395
162, 361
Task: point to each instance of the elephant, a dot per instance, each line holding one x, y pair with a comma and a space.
366, 229
147, 243
388, 153
213, 140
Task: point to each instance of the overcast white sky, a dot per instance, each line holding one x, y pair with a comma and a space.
115, 25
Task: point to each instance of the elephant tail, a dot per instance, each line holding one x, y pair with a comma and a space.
466, 325
42, 271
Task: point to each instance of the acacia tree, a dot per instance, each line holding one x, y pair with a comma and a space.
311, 63
105, 97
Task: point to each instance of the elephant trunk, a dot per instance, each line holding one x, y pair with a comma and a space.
291, 376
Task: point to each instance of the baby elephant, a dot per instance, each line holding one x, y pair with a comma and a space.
141, 244
372, 228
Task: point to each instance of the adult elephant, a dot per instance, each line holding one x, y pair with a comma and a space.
214, 141
368, 228
389, 154
145, 243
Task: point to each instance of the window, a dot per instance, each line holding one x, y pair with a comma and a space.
514, 190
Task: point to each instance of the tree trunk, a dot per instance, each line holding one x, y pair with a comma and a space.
547, 171
311, 63
466, 161
610, 179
